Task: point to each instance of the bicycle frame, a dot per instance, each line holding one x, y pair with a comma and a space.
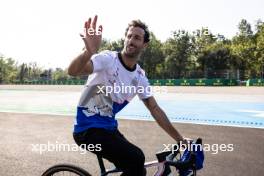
160, 166
165, 159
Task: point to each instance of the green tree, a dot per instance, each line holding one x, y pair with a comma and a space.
243, 47
112, 46
152, 58
178, 50
22, 72
259, 52
217, 61
8, 70
59, 75
202, 39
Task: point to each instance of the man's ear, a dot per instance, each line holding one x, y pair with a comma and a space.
145, 45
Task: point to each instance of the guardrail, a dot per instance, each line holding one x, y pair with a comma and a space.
194, 82
52, 82
161, 82
255, 82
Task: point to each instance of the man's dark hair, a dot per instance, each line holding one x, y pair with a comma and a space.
138, 23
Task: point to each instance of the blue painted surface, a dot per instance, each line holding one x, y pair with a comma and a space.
245, 114
212, 109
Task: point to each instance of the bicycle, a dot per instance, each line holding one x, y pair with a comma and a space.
165, 160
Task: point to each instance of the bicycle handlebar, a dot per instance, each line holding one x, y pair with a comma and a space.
189, 163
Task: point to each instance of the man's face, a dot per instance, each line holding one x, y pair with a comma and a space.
134, 41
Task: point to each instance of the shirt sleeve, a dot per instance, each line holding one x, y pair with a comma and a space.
101, 61
144, 89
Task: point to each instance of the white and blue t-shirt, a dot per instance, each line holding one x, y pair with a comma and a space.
109, 89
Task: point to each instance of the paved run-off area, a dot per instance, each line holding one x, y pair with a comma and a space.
22, 134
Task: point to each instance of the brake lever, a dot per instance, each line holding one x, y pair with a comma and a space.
190, 163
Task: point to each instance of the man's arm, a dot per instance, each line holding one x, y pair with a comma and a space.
161, 118
82, 64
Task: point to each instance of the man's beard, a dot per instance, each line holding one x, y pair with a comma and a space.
134, 54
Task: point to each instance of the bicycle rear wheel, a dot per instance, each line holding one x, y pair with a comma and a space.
65, 169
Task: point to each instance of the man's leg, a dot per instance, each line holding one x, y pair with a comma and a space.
115, 148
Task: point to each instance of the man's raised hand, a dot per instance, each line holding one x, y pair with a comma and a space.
92, 37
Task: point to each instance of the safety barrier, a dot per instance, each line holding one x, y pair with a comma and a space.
52, 82
255, 82
194, 82
159, 82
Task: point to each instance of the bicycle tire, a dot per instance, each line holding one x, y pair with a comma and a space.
65, 168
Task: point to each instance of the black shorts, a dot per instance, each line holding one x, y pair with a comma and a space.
115, 148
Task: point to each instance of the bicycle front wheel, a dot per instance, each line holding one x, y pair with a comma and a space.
65, 169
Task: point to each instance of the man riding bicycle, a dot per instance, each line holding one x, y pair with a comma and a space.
95, 120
